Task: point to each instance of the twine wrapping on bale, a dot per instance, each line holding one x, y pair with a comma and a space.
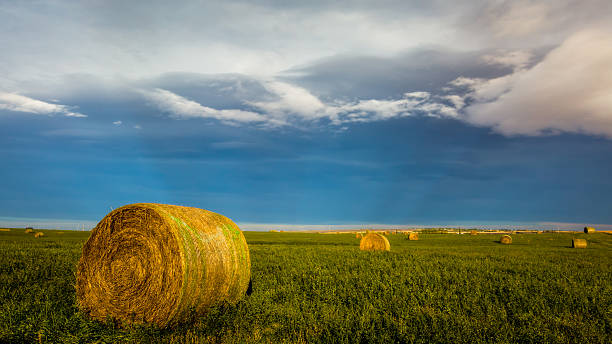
589, 230
506, 239
374, 242
579, 243
413, 236
157, 263
39, 234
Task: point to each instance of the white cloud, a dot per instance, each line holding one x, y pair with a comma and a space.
19, 103
183, 108
117, 123
290, 101
517, 59
570, 90
290, 104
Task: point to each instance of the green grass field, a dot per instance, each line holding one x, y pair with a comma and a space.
321, 288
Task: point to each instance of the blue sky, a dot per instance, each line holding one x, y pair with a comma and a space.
292, 113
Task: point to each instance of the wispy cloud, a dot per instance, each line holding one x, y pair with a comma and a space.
18, 103
291, 105
182, 108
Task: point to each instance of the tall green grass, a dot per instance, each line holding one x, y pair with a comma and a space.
321, 288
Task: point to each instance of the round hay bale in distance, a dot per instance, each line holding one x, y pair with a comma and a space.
579, 243
413, 236
506, 240
589, 230
473, 232
374, 242
29, 230
158, 263
39, 234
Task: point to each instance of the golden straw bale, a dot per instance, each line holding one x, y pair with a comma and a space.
413, 236
5, 229
39, 234
473, 232
579, 243
589, 230
506, 239
374, 242
29, 230
158, 263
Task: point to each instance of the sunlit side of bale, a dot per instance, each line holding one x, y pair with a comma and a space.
157, 263
374, 242
506, 240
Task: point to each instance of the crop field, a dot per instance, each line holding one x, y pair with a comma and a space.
309, 288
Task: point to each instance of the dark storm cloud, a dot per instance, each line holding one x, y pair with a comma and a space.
382, 77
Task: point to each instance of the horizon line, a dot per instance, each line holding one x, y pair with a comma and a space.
71, 224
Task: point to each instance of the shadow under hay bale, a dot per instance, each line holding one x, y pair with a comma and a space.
579, 243
506, 240
39, 234
374, 242
413, 236
589, 230
160, 264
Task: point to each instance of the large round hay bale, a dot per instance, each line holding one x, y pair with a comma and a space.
374, 242
39, 234
506, 240
473, 232
579, 243
157, 263
589, 230
413, 236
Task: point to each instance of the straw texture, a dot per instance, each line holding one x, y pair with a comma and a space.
579, 243
506, 239
157, 263
374, 242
